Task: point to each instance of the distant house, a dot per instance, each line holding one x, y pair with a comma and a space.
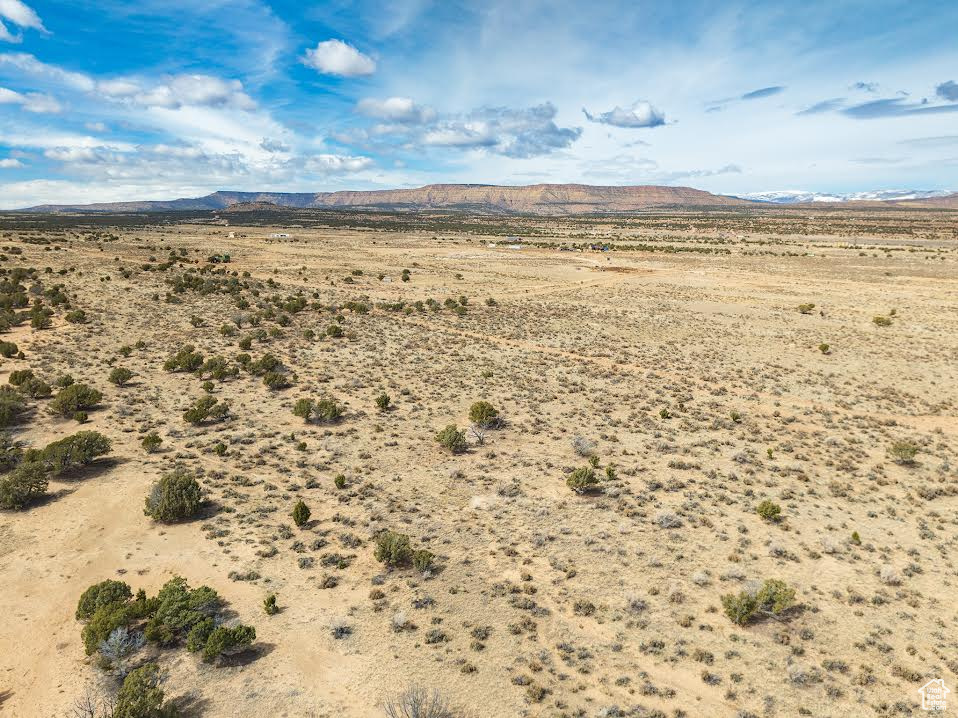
280, 235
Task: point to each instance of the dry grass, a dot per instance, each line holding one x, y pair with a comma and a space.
692, 379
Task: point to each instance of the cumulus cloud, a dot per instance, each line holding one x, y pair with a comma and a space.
10, 163
640, 114
31, 101
396, 109
762, 92
948, 91
178, 91
17, 13
327, 164
517, 133
335, 57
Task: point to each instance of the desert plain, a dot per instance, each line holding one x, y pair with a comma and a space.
694, 365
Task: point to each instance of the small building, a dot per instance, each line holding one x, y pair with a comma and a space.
280, 235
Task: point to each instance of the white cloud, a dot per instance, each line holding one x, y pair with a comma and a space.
178, 91
44, 139
10, 163
337, 164
640, 114
118, 89
335, 57
396, 109
517, 133
31, 101
19, 14
197, 91
31, 65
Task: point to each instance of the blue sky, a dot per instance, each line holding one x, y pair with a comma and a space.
112, 100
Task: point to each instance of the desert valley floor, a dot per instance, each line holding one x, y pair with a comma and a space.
682, 366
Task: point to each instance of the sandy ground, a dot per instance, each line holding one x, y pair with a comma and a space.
593, 608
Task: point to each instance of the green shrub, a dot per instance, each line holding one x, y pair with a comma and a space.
484, 414
11, 452
40, 317
772, 599
303, 408
740, 608
223, 641
175, 497
903, 452
452, 439
275, 380
151, 442
75, 398
12, 406
186, 359
269, 605
769, 510
383, 401
265, 364
423, 560
200, 633
206, 408
217, 368
246, 343
393, 549
328, 411
805, 308
334, 331
582, 480
35, 388
74, 452
824, 348
178, 609
77, 316
140, 696
301, 513
8, 350
19, 376
102, 594
106, 619
340, 481
24, 485
881, 321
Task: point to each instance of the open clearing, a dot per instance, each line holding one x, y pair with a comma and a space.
691, 376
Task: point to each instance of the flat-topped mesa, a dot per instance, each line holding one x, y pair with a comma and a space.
538, 199
544, 199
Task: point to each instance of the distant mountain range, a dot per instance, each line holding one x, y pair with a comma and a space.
540, 199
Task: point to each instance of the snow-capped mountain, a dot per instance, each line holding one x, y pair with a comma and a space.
881, 195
